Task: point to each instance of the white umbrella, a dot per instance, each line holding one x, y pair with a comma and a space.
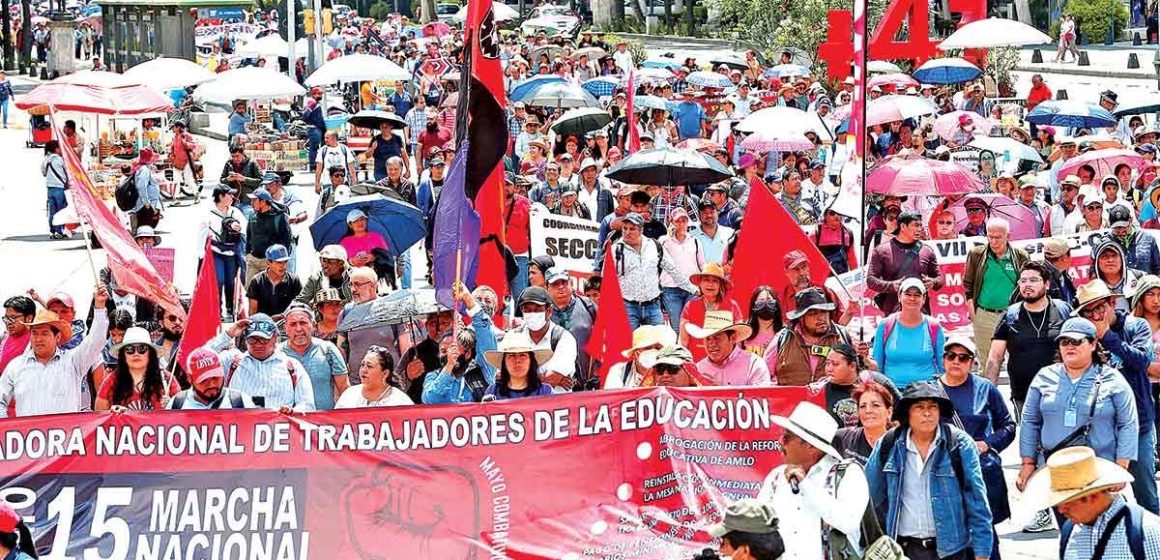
994, 32
248, 83
502, 12
357, 68
164, 74
882, 67
787, 122
272, 45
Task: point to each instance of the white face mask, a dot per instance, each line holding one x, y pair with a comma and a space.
535, 321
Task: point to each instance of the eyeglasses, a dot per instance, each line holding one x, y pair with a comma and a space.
135, 349
173, 318
666, 369
1071, 341
9, 320
957, 357
361, 284
338, 174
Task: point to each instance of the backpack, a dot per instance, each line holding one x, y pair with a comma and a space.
618, 257
932, 326
227, 235
127, 194
1133, 516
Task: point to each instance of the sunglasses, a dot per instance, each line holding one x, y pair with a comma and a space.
957, 357
135, 349
9, 320
666, 369
1071, 341
764, 304
1093, 207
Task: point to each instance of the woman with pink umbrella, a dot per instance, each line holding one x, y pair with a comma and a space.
971, 215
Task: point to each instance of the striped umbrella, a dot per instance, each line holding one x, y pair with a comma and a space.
602, 86
709, 79
1076, 114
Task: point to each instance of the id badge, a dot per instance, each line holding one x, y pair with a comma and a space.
1069, 418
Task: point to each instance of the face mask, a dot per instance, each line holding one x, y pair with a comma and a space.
535, 321
765, 313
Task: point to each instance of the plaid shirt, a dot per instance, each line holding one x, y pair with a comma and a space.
1082, 543
679, 86
515, 125
416, 123
662, 205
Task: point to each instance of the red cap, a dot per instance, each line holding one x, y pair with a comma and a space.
61, 297
315, 89
202, 364
965, 119
794, 259
8, 518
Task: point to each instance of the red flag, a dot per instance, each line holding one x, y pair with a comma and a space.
205, 311
132, 270
612, 333
769, 233
629, 106
489, 140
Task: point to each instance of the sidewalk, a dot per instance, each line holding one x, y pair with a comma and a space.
1107, 61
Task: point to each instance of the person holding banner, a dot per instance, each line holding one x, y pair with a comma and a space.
464, 375
206, 392
989, 279
137, 382
378, 386
907, 343
16, 540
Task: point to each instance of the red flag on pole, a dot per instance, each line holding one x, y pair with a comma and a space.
612, 333
769, 233
205, 311
132, 270
629, 106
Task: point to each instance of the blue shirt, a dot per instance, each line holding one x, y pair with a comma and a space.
322, 362
402, 103
909, 355
689, 115
237, 124
1114, 432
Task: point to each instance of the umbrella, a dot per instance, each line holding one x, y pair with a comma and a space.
784, 120
559, 95
994, 32
272, 45
662, 63
1077, 114
522, 88
882, 67
165, 73
592, 52
951, 70
551, 50
1104, 162
890, 108
709, 79
946, 125
786, 70
499, 10
896, 79
698, 144
104, 93
649, 102
372, 119
398, 222
1020, 218
397, 307
357, 68
1137, 108
602, 86
763, 141
732, 61
302, 46
248, 83
578, 122
39, 20
652, 74
796, 56
1000, 145
905, 176
436, 29
668, 166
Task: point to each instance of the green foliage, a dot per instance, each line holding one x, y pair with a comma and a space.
1054, 30
637, 48
380, 10
1092, 17
1000, 63
769, 24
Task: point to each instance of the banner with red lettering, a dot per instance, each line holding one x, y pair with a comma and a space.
625, 474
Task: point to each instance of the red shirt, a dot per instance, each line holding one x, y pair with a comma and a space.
428, 140
1038, 94
12, 347
517, 217
135, 402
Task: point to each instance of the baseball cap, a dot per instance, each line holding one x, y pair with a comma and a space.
1054, 247
794, 259
277, 253
1071, 180
1077, 328
960, 340
438, 162
262, 194
555, 274
634, 218
261, 326
748, 515
817, 164
333, 252
62, 297
912, 283
355, 215
271, 177
202, 364
588, 162
8, 518
533, 294
1119, 216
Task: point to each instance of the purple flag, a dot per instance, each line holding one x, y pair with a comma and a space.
456, 231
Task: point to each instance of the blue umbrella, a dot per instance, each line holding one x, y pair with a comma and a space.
527, 86
398, 222
602, 86
951, 70
666, 63
1075, 114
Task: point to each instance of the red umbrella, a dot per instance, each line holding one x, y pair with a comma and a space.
1104, 162
998, 206
904, 176
436, 29
104, 93
896, 79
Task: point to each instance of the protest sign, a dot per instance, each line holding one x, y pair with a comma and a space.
162, 260
571, 242
626, 474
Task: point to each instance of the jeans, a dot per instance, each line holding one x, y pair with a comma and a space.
313, 141
56, 203
1143, 471
226, 269
674, 301
405, 265
644, 313
521, 280
4, 112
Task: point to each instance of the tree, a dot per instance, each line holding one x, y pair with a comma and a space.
26, 35
6, 23
768, 24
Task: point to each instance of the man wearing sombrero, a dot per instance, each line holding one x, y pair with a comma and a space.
1086, 490
726, 363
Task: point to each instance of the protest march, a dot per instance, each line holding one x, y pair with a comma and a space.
493, 283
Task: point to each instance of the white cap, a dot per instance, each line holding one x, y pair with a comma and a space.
912, 283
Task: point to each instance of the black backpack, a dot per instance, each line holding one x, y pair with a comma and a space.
127, 194
228, 236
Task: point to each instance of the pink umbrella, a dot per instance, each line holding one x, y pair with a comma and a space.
776, 142
104, 93
1104, 162
895, 79
699, 144
890, 108
906, 176
946, 125
436, 29
998, 206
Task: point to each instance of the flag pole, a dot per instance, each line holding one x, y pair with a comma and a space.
456, 284
89, 245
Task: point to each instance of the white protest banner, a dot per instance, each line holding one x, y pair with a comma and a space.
571, 242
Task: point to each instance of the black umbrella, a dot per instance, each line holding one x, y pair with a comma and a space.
578, 122
669, 166
398, 307
372, 119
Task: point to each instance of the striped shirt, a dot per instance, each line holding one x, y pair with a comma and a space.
271, 378
1082, 544
53, 387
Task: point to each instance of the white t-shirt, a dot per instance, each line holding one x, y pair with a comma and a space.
339, 155
353, 397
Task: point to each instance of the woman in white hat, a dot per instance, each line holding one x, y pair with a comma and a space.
517, 361
359, 241
137, 382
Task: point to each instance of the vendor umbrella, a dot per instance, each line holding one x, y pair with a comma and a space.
945, 126
357, 68
560, 95
1020, 218
248, 83
709, 79
578, 122
668, 166
372, 119
1076, 114
890, 108
994, 32
905, 176
950, 70
1002, 145
398, 222
603, 86
1104, 162
104, 93
896, 79
164, 73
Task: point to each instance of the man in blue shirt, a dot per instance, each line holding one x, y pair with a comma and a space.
690, 116
238, 121
401, 100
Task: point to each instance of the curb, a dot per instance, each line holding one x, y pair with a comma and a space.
1034, 69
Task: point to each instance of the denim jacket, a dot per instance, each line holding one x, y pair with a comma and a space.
962, 517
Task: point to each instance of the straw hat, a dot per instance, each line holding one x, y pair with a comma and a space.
1073, 473
718, 322
813, 424
516, 342
711, 270
46, 317
647, 336
135, 335
1089, 293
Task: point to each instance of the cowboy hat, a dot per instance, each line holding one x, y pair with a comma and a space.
922, 391
1091, 292
516, 342
810, 299
718, 322
647, 336
134, 335
46, 317
1072, 473
711, 270
813, 424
